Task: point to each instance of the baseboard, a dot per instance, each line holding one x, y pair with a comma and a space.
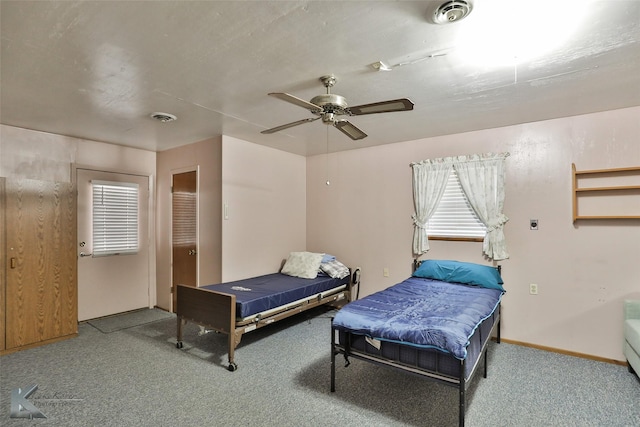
565, 352
37, 344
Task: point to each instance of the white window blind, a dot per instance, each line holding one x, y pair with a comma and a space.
115, 218
454, 217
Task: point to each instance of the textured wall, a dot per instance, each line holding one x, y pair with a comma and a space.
28, 154
583, 271
264, 190
205, 157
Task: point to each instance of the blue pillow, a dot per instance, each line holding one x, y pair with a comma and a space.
327, 258
460, 272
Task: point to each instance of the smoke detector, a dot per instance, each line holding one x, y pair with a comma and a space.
452, 11
163, 117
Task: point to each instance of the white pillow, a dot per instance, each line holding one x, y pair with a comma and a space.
302, 264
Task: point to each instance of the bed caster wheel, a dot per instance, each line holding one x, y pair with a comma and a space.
232, 367
179, 344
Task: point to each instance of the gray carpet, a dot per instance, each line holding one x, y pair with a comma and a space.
137, 377
118, 322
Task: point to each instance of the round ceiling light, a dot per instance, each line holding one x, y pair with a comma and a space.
163, 117
452, 11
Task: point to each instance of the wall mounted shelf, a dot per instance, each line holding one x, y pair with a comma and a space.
606, 193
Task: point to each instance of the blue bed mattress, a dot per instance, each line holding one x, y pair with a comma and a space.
258, 294
421, 312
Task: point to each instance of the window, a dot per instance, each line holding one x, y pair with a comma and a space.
482, 177
115, 218
454, 218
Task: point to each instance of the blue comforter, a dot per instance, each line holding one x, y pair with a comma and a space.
421, 312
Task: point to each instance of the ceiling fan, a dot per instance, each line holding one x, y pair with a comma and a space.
329, 107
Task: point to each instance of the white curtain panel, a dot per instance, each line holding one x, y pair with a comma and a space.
429, 181
482, 180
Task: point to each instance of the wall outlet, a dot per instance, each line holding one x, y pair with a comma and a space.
533, 289
533, 224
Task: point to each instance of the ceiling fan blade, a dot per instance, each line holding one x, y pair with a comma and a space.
289, 125
350, 130
296, 101
402, 104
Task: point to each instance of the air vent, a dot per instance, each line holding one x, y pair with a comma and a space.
452, 11
163, 117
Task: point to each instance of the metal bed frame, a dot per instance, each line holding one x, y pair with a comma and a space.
355, 346
217, 311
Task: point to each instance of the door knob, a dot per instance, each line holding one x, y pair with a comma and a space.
82, 254
192, 252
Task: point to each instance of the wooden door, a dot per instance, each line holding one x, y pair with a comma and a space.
3, 263
41, 275
184, 226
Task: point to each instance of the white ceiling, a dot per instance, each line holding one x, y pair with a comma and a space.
98, 69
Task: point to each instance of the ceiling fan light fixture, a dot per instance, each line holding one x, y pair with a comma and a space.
328, 118
163, 117
452, 11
